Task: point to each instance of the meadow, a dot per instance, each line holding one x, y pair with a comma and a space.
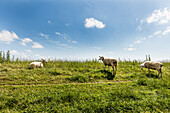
82, 86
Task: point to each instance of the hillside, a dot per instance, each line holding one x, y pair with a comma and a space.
76, 86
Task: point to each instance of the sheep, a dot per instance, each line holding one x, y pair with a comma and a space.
152, 65
37, 64
109, 62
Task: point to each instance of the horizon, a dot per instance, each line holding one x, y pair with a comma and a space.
12, 58
85, 29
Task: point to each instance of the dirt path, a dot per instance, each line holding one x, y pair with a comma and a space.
68, 83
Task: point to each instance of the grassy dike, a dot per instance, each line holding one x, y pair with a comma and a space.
40, 90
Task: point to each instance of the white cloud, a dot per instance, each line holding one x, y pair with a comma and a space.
154, 34
139, 28
131, 49
97, 47
137, 42
25, 40
141, 22
14, 52
166, 31
21, 54
44, 35
91, 23
67, 24
130, 45
66, 37
37, 55
58, 33
150, 36
42, 57
157, 32
28, 51
143, 38
37, 45
63, 45
8, 37
66, 45
75, 42
26, 55
159, 16
49, 22
28, 40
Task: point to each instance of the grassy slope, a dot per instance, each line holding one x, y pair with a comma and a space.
66, 72
148, 93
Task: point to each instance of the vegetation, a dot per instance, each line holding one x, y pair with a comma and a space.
82, 86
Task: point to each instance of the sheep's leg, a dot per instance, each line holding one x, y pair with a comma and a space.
113, 68
160, 71
116, 67
105, 67
148, 70
108, 68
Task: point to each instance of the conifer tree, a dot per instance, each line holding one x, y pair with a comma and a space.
8, 56
146, 58
1, 56
149, 57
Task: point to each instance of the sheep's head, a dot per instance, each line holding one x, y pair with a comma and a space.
142, 65
43, 61
101, 58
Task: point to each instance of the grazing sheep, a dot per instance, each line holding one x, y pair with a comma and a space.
37, 64
152, 65
109, 62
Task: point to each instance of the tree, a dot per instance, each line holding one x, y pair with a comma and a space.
8, 56
1, 56
149, 57
146, 58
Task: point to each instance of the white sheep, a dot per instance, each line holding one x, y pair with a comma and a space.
37, 64
109, 62
152, 65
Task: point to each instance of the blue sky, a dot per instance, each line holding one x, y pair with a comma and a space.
85, 29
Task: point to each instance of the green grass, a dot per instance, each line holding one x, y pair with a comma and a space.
56, 72
108, 97
60, 93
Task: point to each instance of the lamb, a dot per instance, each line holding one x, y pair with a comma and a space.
37, 64
109, 62
152, 65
